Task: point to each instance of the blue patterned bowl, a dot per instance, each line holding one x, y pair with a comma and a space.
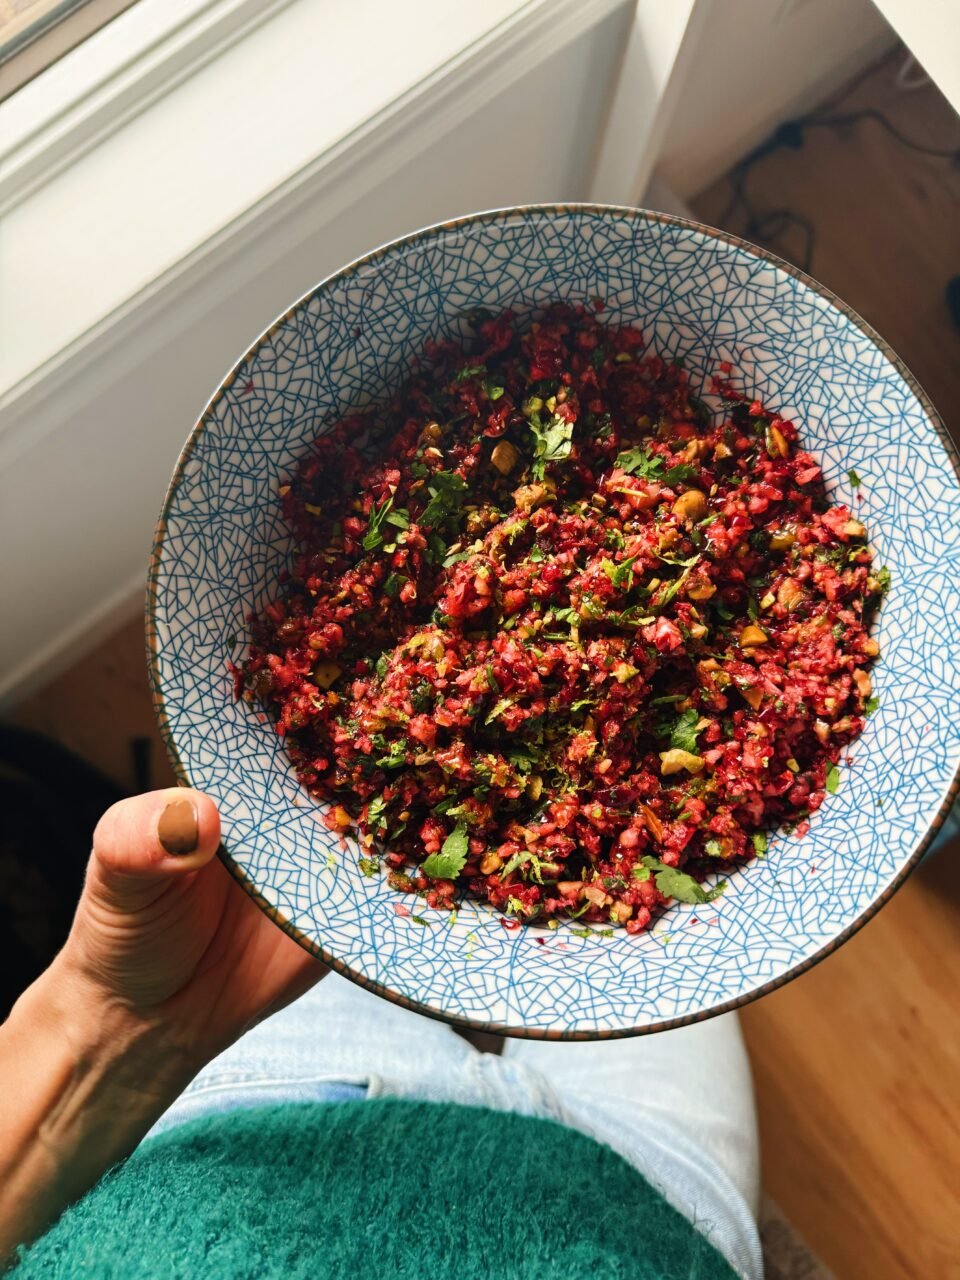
698, 294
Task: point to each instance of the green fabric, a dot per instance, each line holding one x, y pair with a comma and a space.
378, 1189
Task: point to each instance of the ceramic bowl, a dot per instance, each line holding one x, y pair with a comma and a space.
698, 294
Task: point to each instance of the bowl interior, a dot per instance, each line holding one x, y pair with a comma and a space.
696, 295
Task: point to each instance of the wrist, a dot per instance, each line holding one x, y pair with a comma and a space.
104, 1038
82, 1079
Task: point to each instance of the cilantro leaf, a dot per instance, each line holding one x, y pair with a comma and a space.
376, 813
677, 884
853, 478
521, 761
448, 863
871, 705
883, 577
760, 842
682, 471
683, 735
651, 466
833, 778
552, 443
369, 866
494, 389
373, 538
469, 371
640, 462
447, 490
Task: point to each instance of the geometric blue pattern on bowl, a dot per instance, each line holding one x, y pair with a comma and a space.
696, 293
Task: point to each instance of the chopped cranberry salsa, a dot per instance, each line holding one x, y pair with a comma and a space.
557, 637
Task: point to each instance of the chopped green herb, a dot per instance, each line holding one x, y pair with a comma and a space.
373, 538
369, 866
522, 859
552, 443
619, 574
447, 491
469, 371
677, 884
853, 478
833, 778
449, 862
396, 757
666, 595
652, 466
683, 735
760, 843
498, 710
680, 473
376, 813
640, 462
871, 705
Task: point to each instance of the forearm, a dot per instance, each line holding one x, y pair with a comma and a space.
81, 1082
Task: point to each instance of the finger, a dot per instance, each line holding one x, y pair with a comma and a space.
146, 840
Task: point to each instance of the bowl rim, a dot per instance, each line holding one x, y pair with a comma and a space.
153, 595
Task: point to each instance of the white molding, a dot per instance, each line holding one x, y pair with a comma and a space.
662, 44
94, 432
117, 74
327, 182
931, 31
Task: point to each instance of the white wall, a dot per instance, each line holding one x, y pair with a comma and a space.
757, 62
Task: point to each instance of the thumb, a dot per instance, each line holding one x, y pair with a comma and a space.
142, 843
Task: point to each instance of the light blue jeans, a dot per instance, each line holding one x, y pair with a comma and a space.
678, 1105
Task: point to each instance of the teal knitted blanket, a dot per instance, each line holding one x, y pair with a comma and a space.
377, 1189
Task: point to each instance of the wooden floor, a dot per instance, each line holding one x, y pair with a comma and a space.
857, 1063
